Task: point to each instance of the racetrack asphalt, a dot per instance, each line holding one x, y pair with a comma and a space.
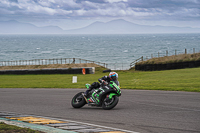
141, 111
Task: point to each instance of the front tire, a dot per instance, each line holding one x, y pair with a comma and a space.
78, 100
110, 103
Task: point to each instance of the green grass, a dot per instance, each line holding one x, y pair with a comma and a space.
172, 80
5, 128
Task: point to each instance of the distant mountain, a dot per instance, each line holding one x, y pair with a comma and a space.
118, 26
15, 27
121, 26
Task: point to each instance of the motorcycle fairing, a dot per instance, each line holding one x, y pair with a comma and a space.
87, 86
104, 90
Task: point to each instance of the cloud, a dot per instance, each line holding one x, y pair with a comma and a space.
113, 1
136, 9
167, 9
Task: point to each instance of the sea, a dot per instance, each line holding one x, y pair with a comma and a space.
111, 49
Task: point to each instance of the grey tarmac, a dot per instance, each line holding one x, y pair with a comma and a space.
141, 111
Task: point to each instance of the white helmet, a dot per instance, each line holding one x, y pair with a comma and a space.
113, 76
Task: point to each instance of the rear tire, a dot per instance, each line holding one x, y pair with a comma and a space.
78, 100
111, 103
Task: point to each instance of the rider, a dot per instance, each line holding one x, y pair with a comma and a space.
113, 76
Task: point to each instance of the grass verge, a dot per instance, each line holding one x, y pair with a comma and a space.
171, 80
172, 59
5, 128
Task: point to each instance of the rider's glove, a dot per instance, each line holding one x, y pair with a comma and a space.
104, 82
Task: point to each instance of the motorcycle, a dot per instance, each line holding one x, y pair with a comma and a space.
106, 96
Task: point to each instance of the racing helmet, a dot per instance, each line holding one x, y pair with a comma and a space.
113, 76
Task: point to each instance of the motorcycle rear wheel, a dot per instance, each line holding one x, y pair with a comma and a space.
78, 100
111, 103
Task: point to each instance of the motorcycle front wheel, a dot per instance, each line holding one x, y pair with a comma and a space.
110, 103
78, 100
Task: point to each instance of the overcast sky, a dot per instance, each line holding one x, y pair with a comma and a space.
70, 14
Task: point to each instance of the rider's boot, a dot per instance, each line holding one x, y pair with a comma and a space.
87, 91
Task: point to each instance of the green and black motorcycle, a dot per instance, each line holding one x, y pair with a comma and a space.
106, 96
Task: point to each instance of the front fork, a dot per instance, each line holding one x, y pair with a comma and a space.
85, 98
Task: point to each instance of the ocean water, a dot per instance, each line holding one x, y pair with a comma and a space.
102, 48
